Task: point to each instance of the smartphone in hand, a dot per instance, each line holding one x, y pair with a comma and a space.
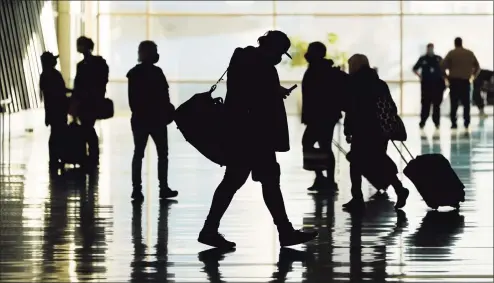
292, 88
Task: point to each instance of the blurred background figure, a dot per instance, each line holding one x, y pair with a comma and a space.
54, 92
461, 65
483, 84
89, 88
322, 91
432, 85
149, 101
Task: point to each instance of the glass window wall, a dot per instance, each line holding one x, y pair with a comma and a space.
196, 38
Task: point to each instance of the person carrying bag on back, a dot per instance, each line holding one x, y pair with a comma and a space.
256, 128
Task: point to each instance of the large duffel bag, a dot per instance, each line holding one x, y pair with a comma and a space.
201, 121
435, 179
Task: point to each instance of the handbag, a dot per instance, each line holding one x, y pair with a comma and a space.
315, 159
392, 127
200, 120
104, 109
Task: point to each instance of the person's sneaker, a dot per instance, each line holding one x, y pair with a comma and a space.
323, 184
437, 126
454, 126
167, 193
482, 114
137, 195
354, 205
421, 125
215, 239
402, 198
295, 237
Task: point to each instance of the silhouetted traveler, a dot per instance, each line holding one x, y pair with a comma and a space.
149, 102
89, 90
368, 150
462, 66
481, 83
432, 85
56, 101
257, 128
322, 89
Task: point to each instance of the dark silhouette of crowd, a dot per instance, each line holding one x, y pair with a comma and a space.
254, 126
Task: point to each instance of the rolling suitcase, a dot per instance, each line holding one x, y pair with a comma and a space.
74, 149
435, 179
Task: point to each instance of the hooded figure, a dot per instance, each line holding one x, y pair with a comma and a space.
323, 92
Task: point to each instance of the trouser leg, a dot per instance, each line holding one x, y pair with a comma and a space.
233, 180
140, 141
160, 138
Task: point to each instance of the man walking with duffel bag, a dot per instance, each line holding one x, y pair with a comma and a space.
256, 128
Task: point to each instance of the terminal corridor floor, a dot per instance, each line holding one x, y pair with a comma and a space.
84, 228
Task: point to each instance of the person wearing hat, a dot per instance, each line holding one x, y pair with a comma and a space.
362, 128
56, 102
149, 102
323, 88
256, 128
89, 89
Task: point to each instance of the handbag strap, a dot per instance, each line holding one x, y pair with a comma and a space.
213, 88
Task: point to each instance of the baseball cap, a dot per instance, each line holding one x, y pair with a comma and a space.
280, 38
48, 55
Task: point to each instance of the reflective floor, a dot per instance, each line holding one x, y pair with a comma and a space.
78, 228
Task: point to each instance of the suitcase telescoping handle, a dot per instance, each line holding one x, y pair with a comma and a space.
401, 154
340, 148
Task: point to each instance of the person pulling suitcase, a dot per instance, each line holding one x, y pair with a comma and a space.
364, 129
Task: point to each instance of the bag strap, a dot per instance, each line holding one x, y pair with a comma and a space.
213, 88
340, 148
401, 154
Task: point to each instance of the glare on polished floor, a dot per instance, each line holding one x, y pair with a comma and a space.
79, 228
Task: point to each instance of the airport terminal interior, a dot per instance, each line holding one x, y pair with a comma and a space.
81, 226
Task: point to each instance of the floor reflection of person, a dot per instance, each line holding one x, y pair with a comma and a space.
140, 266
211, 259
56, 235
90, 235
322, 267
